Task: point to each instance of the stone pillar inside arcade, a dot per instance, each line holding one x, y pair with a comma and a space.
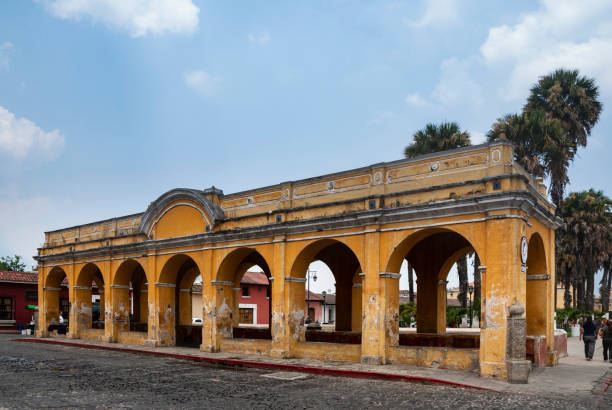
505, 287
50, 311
80, 310
164, 319
120, 310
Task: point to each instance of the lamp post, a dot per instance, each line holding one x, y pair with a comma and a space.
324, 293
470, 291
314, 278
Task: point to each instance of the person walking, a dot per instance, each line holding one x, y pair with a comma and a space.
606, 338
588, 333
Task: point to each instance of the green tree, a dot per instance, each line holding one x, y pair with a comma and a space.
572, 100
585, 241
437, 137
14, 263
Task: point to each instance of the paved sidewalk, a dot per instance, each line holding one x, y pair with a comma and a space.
573, 375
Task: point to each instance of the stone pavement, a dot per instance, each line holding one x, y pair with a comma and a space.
573, 375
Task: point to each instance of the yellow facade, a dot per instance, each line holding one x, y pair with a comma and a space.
362, 223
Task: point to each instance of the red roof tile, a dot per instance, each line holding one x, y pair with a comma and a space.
9, 276
254, 278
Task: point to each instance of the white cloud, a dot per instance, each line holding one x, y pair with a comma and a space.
456, 85
138, 17
5, 50
260, 39
20, 138
477, 137
416, 100
562, 33
23, 232
437, 12
202, 82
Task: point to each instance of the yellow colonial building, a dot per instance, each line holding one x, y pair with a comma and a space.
362, 223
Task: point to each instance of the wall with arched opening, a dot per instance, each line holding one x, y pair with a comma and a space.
431, 253
537, 277
56, 300
173, 294
228, 291
346, 269
130, 311
82, 312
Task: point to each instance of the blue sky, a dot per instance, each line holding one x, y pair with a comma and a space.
105, 105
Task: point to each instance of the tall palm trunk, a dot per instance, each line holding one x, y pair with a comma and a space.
477, 278
580, 291
463, 280
567, 296
590, 291
410, 282
604, 291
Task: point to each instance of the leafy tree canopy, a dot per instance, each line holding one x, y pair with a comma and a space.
14, 263
437, 137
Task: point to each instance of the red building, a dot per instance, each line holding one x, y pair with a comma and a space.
17, 289
254, 303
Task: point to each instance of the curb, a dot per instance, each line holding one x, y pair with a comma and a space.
362, 374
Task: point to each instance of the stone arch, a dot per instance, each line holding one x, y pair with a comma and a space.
56, 299
346, 266
431, 252
233, 303
537, 278
84, 312
129, 289
174, 293
193, 199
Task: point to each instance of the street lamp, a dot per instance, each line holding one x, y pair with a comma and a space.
470, 291
324, 293
314, 278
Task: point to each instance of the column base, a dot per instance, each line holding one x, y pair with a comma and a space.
150, 343
371, 360
552, 358
518, 371
279, 354
208, 348
494, 370
107, 339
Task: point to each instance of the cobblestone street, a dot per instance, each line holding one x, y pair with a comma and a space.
35, 376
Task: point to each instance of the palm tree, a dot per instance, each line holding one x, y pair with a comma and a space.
571, 99
437, 137
410, 283
462, 271
585, 239
538, 142
434, 138
477, 278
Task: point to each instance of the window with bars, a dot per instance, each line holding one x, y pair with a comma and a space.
31, 295
6, 308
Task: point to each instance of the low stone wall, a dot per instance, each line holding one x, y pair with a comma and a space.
561, 342
136, 338
189, 335
252, 333
246, 346
457, 341
536, 350
328, 351
442, 357
342, 337
92, 334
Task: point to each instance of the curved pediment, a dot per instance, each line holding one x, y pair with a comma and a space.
180, 212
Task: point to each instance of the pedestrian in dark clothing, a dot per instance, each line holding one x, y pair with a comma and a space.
588, 333
606, 337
